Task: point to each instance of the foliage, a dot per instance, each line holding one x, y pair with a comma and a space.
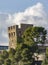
11, 53
47, 55
47, 52
7, 62
45, 62
1, 61
5, 54
34, 34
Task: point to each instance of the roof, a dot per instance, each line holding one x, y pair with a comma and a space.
43, 45
4, 44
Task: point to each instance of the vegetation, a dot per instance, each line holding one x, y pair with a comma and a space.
45, 62
34, 35
23, 54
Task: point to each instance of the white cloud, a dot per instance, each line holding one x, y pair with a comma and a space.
4, 34
36, 10
32, 15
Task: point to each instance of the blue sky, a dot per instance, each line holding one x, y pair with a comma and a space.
19, 5
22, 11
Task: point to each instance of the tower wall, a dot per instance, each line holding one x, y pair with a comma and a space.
12, 36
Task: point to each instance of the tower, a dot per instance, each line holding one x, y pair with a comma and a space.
15, 33
12, 36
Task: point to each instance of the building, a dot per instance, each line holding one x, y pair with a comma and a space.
15, 32
2, 47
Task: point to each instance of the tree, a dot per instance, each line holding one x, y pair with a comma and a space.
45, 61
27, 56
47, 52
1, 61
31, 37
18, 56
34, 35
23, 55
7, 62
11, 53
14, 62
4, 54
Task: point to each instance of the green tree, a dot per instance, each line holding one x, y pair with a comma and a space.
4, 54
27, 56
14, 62
23, 54
47, 52
18, 56
7, 62
1, 61
31, 37
34, 35
46, 56
11, 53
45, 62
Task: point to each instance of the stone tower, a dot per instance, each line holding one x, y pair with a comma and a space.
15, 32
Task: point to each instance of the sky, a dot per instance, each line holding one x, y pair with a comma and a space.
22, 11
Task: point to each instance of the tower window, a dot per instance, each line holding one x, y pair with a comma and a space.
8, 28
9, 35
